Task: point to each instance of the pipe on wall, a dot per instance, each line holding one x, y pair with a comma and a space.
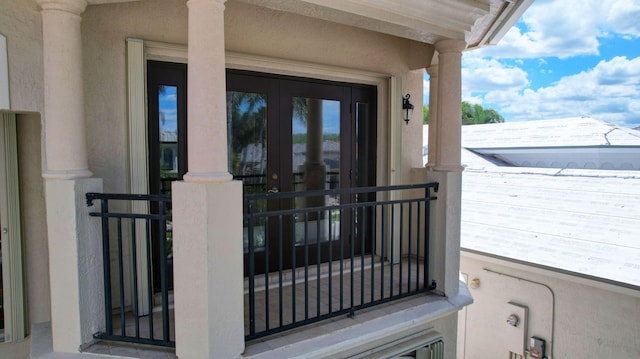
553, 302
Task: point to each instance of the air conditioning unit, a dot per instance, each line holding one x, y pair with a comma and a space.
432, 351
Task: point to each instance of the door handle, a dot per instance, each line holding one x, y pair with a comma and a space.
274, 190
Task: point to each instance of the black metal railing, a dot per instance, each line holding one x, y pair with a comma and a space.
136, 310
319, 254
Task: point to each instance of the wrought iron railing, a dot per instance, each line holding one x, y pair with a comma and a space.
309, 260
133, 227
359, 248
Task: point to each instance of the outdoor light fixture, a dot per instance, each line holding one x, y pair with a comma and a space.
407, 107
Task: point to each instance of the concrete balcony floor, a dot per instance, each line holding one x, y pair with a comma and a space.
382, 277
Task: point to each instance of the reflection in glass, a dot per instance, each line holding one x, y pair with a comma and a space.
168, 125
247, 141
316, 166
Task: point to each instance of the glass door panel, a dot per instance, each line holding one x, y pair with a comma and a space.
168, 136
247, 141
316, 166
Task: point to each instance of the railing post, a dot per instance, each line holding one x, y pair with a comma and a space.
106, 263
164, 288
251, 274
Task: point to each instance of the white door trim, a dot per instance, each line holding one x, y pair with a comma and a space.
10, 230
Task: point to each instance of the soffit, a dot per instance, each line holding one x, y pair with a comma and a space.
478, 22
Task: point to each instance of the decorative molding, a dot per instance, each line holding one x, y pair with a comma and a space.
139, 183
5, 100
240, 61
138, 157
163, 51
13, 276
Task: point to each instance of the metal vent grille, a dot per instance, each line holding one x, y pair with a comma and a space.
436, 350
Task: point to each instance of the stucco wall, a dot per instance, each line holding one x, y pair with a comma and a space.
21, 24
591, 320
248, 29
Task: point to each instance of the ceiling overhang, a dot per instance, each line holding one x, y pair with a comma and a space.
478, 22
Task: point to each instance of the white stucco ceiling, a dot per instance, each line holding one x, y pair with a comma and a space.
479, 22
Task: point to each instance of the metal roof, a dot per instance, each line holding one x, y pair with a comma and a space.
580, 221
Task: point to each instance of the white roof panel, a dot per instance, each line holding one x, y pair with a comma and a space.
586, 222
576, 220
568, 132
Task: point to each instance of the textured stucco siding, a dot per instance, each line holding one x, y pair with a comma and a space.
588, 319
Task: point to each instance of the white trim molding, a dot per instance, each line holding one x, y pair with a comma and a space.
5, 100
13, 276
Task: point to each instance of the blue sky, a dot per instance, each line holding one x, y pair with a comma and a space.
562, 59
168, 109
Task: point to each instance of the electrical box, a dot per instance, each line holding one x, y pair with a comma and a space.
536, 348
514, 324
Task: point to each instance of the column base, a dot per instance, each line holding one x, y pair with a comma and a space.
445, 231
207, 177
208, 269
67, 174
75, 263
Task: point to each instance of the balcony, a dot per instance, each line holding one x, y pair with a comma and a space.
309, 257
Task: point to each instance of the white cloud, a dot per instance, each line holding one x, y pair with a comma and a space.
609, 92
566, 28
624, 18
481, 75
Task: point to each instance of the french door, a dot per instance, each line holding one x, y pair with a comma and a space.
285, 134
295, 135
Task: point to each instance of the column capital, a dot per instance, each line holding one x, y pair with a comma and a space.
75, 7
220, 2
432, 70
450, 45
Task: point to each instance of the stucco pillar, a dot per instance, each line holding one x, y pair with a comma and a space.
75, 260
449, 111
207, 94
445, 167
64, 125
433, 114
207, 206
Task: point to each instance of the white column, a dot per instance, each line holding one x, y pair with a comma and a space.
445, 167
64, 125
433, 114
207, 206
206, 103
75, 254
449, 105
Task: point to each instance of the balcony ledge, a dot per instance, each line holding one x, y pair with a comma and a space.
370, 331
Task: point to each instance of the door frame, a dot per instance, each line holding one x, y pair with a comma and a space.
139, 51
11, 232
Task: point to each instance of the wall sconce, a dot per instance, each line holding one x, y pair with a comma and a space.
407, 108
